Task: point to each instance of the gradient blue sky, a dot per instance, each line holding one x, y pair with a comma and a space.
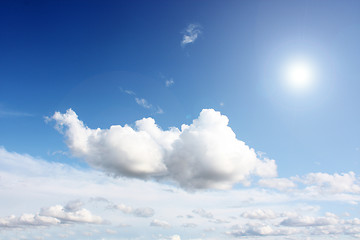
102, 58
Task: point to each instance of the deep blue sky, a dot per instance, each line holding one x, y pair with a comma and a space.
57, 55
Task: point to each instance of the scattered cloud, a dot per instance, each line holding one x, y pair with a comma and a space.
51, 216
159, 223
277, 183
260, 229
202, 213
191, 33
27, 220
259, 214
169, 82
175, 237
336, 183
80, 215
204, 154
264, 212
219, 221
159, 110
130, 92
305, 221
142, 102
138, 212
189, 225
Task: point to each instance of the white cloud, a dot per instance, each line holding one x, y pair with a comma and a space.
27, 220
123, 208
142, 102
175, 237
138, 212
219, 221
191, 33
189, 225
51, 216
129, 92
259, 214
277, 183
48, 183
80, 215
144, 212
169, 82
336, 183
73, 206
159, 110
260, 229
355, 221
205, 154
202, 213
305, 221
159, 223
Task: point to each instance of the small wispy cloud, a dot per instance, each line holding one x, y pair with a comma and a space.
169, 82
4, 113
129, 92
191, 33
159, 110
142, 102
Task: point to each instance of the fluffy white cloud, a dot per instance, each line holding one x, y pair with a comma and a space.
48, 183
138, 212
259, 229
159, 223
336, 183
79, 215
305, 221
259, 214
54, 215
204, 154
27, 220
175, 237
277, 183
191, 33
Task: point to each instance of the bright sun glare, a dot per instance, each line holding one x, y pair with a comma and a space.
299, 75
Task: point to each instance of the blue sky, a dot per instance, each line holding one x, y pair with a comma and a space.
192, 101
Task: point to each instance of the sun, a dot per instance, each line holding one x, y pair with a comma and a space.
299, 75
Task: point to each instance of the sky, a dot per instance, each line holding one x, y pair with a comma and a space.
179, 120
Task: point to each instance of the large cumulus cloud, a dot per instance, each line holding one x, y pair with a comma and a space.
204, 154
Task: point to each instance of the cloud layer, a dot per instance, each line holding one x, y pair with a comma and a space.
204, 154
252, 213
